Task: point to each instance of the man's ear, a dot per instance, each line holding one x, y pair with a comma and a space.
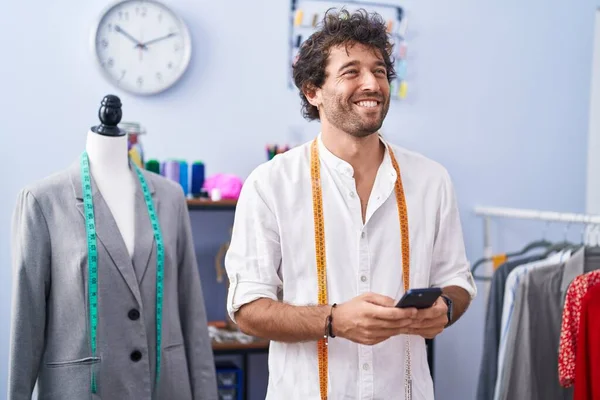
313, 95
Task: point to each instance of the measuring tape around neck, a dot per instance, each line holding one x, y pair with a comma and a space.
90, 226
317, 197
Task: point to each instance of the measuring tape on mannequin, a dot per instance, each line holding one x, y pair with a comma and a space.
90, 227
315, 166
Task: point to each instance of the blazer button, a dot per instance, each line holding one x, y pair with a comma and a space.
133, 314
136, 356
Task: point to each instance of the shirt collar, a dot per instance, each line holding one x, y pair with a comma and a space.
335, 163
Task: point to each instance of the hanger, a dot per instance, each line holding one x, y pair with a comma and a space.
564, 245
542, 243
561, 246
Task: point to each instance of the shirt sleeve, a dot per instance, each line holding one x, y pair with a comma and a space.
254, 255
569, 332
192, 313
31, 251
449, 263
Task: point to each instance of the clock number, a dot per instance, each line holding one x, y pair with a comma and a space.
104, 43
160, 17
170, 65
177, 47
109, 27
140, 81
159, 76
141, 11
123, 72
110, 63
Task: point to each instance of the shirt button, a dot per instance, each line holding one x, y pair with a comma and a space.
365, 366
133, 314
362, 235
363, 279
136, 356
352, 194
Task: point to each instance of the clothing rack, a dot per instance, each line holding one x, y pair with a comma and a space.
588, 220
549, 216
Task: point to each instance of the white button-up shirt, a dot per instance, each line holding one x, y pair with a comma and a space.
272, 255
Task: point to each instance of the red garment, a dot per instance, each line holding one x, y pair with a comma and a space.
587, 366
571, 324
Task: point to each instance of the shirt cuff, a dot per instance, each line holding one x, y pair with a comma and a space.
244, 291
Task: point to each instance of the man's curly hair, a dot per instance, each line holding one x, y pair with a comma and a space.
337, 28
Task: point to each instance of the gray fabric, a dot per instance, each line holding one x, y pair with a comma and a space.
49, 321
531, 365
493, 322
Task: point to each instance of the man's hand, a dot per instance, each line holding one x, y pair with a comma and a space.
429, 322
371, 318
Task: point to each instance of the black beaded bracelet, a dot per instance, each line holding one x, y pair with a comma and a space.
330, 322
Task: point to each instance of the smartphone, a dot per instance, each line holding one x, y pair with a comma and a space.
419, 298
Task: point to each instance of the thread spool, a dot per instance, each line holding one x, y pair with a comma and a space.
153, 166
172, 170
298, 17
403, 89
183, 176
401, 70
197, 178
402, 50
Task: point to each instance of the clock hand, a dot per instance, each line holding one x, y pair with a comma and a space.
158, 39
127, 35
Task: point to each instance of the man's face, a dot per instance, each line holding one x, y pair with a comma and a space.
355, 97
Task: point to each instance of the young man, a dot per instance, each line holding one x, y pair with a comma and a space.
328, 236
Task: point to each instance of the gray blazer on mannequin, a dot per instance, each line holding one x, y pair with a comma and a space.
50, 336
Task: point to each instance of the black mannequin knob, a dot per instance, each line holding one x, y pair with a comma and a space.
110, 114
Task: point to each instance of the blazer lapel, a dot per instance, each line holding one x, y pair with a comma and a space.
107, 232
144, 234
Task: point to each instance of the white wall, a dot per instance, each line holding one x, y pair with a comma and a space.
593, 161
498, 92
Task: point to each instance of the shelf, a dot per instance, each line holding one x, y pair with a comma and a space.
237, 346
205, 204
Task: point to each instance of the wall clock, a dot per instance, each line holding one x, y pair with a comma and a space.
141, 46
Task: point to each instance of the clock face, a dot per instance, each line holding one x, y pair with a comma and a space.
141, 46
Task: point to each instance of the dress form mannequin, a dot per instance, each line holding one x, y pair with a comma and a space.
109, 165
150, 340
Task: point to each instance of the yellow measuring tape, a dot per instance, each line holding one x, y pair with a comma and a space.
317, 195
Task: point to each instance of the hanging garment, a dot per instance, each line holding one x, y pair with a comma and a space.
570, 325
493, 319
587, 367
512, 284
530, 367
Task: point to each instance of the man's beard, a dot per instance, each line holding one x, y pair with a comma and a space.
343, 116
